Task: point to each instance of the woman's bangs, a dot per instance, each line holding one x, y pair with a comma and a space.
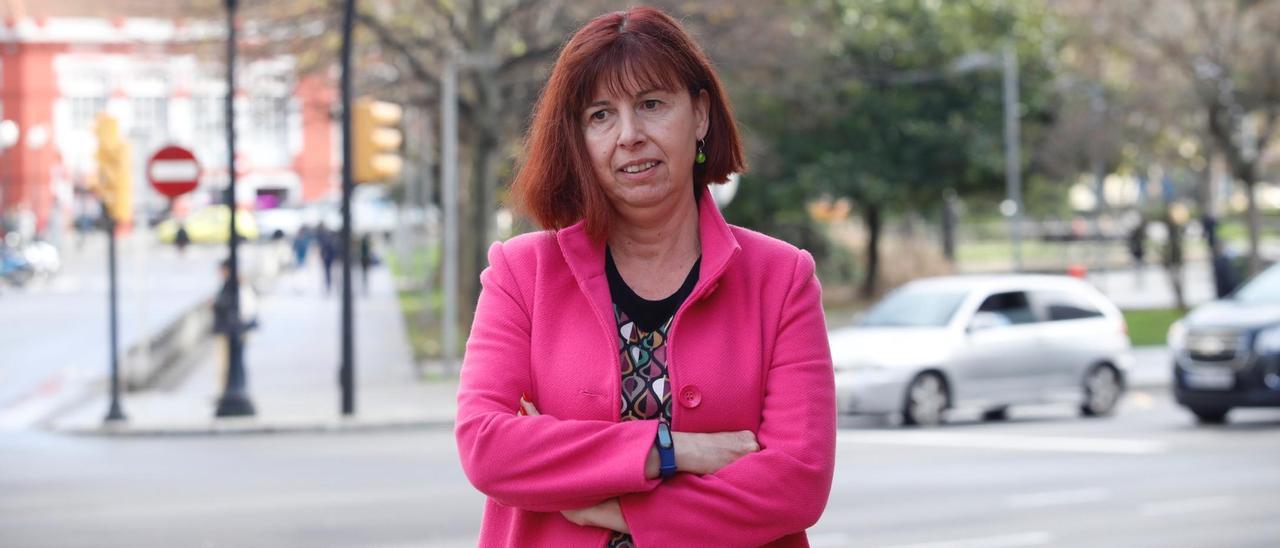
629, 68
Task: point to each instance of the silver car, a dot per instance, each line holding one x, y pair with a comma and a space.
985, 343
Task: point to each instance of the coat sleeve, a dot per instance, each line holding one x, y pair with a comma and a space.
781, 489
540, 463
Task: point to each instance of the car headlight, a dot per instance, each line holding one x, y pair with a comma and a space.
1267, 341
1177, 336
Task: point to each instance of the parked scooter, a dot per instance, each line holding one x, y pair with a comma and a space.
15, 269
22, 262
43, 258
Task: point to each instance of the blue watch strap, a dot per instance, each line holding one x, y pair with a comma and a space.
666, 451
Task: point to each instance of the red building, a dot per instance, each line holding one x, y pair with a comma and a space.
58, 73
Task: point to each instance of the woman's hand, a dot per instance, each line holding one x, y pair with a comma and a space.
526, 407
707, 453
696, 453
606, 515
704, 453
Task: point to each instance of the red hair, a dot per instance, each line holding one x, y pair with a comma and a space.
623, 51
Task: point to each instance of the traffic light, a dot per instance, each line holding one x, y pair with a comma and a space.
115, 179
376, 135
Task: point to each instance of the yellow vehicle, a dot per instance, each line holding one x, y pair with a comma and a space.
209, 226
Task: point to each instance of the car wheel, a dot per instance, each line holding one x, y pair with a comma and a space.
996, 414
1210, 415
1102, 390
927, 399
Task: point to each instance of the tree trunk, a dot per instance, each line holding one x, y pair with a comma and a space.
871, 217
468, 240
949, 226
481, 215
1173, 259
1255, 227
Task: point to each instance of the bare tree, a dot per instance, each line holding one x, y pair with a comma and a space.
1227, 55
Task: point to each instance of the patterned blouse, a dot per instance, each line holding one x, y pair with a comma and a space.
642, 332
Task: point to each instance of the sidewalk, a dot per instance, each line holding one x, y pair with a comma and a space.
1150, 287
292, 368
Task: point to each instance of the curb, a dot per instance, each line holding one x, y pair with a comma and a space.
249, 427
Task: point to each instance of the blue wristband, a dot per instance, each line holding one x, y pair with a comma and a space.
666, 451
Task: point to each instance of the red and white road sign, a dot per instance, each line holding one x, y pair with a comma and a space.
173, 171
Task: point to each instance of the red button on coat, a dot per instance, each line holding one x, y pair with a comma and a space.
690, 396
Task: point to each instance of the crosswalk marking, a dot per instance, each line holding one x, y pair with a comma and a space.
1015, 540
1058, 498
1185, 506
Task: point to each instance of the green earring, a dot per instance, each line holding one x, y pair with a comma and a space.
701, 158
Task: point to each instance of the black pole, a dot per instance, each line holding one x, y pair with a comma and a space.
115, 413
235, 395
346, 372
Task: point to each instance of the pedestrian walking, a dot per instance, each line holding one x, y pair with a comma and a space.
1138, 249
643, 373
328, 243
366, 260
301, 242
181, 239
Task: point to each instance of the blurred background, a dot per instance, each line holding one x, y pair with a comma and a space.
1102, 175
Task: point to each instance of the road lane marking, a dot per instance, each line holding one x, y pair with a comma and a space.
57, 389
1058, 498
1185, 506
972, 440
1141, 400
1016, 540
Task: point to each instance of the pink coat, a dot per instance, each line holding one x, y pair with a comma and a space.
748, 351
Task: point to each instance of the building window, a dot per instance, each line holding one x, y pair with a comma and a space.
85, 110
269, 128
150, 120
210, 129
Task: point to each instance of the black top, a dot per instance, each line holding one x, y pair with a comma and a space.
648, 315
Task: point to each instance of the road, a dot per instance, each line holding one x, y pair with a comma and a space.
1145, 477
54, 334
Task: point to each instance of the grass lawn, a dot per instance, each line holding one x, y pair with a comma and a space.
1150, 327
419, 310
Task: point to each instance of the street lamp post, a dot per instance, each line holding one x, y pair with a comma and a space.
1012, 155
235, 395
346, 371
449, 193
1011, 207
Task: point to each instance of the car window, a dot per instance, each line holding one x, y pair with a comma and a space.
1013, 305
914, 307
1263, 288
1065, 305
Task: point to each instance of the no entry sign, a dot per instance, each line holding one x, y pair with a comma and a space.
173, 171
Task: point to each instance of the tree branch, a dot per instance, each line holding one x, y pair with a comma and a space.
440, 11
531, 56
515, 9
387, 38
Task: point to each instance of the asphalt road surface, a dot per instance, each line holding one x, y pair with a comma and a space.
54, 334
1145, 477
59, 327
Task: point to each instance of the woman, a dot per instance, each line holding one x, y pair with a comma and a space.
639, 294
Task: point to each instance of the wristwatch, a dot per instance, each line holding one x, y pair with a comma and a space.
666, 451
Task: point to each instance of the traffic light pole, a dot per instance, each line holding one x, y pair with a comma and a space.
235, 396
346, 371
115, 413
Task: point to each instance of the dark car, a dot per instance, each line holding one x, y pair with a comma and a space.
1226, 353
